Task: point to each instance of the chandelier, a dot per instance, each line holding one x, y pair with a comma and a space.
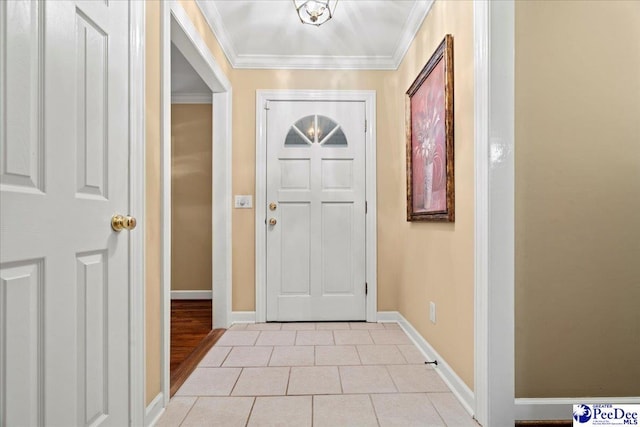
315, 12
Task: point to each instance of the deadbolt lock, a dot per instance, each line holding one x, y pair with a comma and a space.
272, 206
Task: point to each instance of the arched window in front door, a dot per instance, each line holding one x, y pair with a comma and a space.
315, 129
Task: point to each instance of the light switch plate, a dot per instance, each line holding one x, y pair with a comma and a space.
243, 202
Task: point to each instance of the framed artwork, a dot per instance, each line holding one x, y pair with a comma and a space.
429, 128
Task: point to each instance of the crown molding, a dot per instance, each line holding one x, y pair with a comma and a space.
214, 19
303, 62
300, 62
417, 16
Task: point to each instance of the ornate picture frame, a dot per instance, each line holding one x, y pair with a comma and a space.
429, 139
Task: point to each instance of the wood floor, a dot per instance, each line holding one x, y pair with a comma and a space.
190, 323
191, 338
559, 423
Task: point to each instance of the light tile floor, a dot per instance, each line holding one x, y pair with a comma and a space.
308, 374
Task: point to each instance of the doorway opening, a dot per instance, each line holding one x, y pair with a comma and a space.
191, 321
195, 188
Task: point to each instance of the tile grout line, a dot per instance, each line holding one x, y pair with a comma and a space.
273, 348
235, 383
397, 346
313, 399
386, 367
359, 356
188, 411
340, 380
224, 359
436, 409
373, 406
286, 389
253, 404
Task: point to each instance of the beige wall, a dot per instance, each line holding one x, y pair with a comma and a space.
436, 259
152, 204
577, 198
191, 134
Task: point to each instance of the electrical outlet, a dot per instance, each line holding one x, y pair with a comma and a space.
243, 202
432, 312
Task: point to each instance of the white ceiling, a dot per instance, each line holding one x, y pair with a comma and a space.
184, 79
363, 34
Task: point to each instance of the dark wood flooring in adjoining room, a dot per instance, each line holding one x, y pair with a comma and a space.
191, 337
190, 323
557, 423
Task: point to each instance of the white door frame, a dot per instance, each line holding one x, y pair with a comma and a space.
369, 98
178, 28
136, 207
494, 52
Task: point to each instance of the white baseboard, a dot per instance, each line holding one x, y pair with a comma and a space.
560, 408
243, 317
190, 294
191, 98
154, 410
454, 382
388, 317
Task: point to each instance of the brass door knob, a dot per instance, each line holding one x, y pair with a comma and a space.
119, 222
273, 221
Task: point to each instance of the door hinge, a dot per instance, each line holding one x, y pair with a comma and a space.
365, 125
266, 105
366, 207
366, 288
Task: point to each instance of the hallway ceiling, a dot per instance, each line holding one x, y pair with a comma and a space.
184, 79
363, 34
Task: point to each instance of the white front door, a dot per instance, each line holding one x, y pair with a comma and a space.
64, 153
315, 211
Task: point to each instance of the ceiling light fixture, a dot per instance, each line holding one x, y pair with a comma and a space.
315, 12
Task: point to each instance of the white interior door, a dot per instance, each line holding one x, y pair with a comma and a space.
64, 297
315, 211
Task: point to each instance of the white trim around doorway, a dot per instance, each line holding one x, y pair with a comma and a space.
369, 98
178, 29
136, 207
494, 367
